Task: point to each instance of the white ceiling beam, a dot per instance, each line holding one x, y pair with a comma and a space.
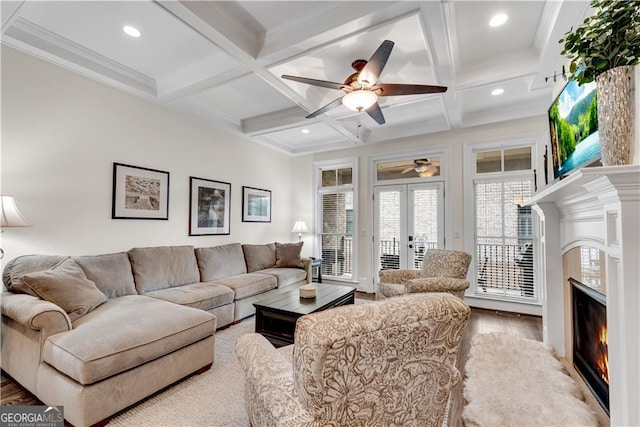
438, 34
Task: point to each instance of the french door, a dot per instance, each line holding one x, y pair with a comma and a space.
408, 220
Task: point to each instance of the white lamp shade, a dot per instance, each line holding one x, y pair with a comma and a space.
299, 227
359, 100
10, 215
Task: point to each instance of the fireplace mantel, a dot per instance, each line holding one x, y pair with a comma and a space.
598, 207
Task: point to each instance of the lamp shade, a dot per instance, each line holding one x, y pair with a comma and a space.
10, 215
299, 227
359, 100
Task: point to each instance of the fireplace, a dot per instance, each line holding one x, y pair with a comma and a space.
590, 340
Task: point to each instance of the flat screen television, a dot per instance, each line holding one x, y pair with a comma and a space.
573, 124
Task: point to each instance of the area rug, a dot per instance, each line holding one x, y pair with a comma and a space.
513, 381
214, 398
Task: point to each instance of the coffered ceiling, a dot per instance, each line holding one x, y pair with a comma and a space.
222, 60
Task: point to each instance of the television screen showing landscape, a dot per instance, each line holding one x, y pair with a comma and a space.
573, 121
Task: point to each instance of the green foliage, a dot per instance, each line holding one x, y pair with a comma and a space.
607, 39
575, 127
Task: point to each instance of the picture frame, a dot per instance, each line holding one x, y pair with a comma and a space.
139, 193
209, 207
256, 205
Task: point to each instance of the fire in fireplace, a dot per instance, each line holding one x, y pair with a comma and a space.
590, 340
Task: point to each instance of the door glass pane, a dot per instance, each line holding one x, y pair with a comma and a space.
517, 159
425, 223
411, 168
489, 161
344, 176
329, 178
389, 229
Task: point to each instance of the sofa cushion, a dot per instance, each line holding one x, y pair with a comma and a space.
246, 285
220, 261
18, 267
286, 276
66, 286
132, 330
259, 257
205, 296
288, 254
110, 272
163, 267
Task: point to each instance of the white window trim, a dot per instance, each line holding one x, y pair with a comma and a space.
470, 148
444, 151
319, 166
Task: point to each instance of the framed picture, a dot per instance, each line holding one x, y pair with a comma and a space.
209, 203
256, 205
139, 193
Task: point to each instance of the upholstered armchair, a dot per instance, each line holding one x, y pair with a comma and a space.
442, 271
384, 363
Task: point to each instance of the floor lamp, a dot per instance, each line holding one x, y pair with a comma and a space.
10, 216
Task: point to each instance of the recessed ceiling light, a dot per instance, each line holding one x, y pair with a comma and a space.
497, 92
498, 20
305, 130
131, 31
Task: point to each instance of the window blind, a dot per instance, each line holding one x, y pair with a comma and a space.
504, 239
336, 238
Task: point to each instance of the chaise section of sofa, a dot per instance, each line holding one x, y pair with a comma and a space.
171, 273
105, 357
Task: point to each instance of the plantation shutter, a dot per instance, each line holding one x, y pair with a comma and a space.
504, 238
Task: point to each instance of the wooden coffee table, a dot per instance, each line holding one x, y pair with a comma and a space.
276, 316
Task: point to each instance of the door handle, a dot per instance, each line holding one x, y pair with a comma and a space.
410, 246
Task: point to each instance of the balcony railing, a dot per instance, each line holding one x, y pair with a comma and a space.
390, 253
505, 269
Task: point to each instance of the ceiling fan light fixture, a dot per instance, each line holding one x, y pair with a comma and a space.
421, 168
359, 100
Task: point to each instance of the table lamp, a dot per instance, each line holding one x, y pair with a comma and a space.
10, 216
299, 227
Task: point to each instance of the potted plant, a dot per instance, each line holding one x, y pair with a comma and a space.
605, 48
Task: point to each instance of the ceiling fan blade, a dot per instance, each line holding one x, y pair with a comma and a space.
395, 89
376, 113
409, 169
314, 82
329, 106
371, 72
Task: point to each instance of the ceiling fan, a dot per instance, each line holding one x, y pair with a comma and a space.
362, 88
423, 167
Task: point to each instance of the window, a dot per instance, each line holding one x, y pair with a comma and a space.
504, 254
336, 213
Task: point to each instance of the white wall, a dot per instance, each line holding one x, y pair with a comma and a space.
62, 132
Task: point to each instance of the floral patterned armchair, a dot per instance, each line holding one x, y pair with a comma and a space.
384, 363
442, 271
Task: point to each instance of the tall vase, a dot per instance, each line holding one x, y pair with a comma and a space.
616, 114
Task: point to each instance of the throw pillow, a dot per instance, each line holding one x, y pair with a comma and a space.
66, 286
259, 257
288, 254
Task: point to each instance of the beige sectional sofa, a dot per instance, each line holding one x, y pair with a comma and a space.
99, 333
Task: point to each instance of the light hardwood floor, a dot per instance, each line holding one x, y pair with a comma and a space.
481, 322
